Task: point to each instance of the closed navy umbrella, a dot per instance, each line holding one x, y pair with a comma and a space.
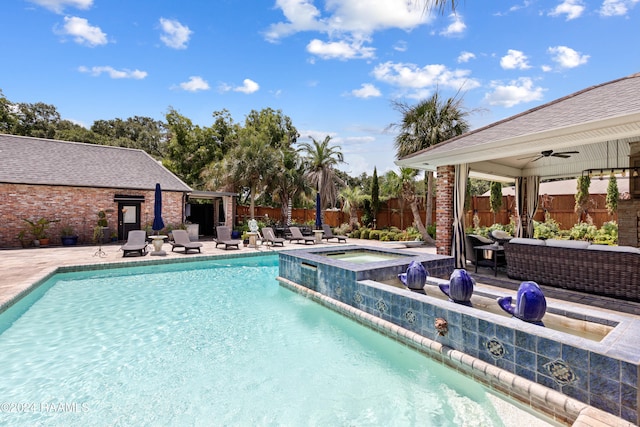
158, 224
318, 212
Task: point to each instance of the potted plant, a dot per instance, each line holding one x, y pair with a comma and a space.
102, 235
68, 236
39, 230
24, 240
245, 238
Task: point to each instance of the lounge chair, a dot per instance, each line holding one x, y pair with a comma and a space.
181, 240
296, 236
136, 242
269, 237
224, 238
328, 234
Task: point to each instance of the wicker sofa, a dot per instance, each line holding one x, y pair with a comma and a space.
612, 271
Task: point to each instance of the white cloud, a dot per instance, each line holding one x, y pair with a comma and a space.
58, 6
175, 35
195, 84
248, 86
514, 93
616, 7
456, 27
400, 46
546, 68
410, 76
367, 90
514, 59
465, 57
113, 73
339, 50
566, 57
571, 8
82, 32
351, 17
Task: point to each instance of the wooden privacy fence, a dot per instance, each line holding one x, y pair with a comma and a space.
393, 213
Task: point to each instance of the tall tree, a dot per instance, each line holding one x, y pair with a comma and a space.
375, 194
289, 181
39, 120
321, 161
582, 197
352, 198
495, 198
423, 125
392, 187
251, 164
7, 115
612, 195
193, 152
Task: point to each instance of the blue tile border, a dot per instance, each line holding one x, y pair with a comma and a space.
587, 370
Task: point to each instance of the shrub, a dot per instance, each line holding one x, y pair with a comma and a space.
374, 234
546, 230
355, 233
431, 229
607, 234
364, 233
583, 231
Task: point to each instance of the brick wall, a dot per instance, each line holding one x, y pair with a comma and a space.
629, 222
74, 206
444, 209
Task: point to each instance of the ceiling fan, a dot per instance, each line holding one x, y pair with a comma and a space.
550, 153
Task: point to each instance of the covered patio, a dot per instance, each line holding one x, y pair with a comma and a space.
591, 132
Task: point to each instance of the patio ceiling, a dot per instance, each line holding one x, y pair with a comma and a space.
599, 122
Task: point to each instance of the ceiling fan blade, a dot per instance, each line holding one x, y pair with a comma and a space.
568, 152
561, 155
537, 158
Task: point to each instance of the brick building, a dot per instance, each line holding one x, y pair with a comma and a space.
69, 183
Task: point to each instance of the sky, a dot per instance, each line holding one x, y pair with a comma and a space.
335, 67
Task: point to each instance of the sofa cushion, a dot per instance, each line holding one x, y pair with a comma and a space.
526, 241
574, 244
481, 239
629, 249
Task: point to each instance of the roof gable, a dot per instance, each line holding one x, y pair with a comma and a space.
599, 122
27, 160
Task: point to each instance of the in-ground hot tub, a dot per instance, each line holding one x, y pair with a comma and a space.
315, 268
362, 256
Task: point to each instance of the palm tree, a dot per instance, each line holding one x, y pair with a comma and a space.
321, 160
289, 181
352, 198
251, 164
427, 123
392, 187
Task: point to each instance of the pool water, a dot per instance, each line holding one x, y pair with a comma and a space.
361, 257
218, 343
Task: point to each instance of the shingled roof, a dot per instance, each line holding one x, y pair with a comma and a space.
25, 160
598, 122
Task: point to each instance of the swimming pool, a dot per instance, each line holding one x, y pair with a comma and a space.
214, 342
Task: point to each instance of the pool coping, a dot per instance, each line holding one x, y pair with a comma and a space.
553, 404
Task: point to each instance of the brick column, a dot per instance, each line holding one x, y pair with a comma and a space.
444, 209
